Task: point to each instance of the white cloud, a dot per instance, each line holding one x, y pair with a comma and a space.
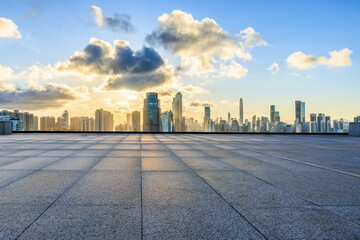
232, 70
6, 73
300, 60
202, 44
8, 29
274, 68
98, 15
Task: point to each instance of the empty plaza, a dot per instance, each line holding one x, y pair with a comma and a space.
179, 186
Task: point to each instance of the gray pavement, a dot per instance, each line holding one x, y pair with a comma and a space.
188, 186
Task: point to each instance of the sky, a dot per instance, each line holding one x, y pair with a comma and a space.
83, 55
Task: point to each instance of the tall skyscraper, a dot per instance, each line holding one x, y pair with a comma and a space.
241, 112
299, 112
87, 124
136, 121
277, 116
151, 114
272, 113
104, 120
229, 119
64, 125
207, 119
177, 112
327, 124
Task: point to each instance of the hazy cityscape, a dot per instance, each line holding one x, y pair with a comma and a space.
154, 119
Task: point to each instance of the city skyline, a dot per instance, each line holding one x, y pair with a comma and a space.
44, 71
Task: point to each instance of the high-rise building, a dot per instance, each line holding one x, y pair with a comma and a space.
135, 121
64, 122
229, 119
104, 120
320, 121
129, 121
151, 114
241, 112
206, 119
177, 112
277, 116
167, 121
299, 112
75, 123
87, 124
272, 113
313, 117
47, 123
327, 124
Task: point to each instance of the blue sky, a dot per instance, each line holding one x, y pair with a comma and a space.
311, 27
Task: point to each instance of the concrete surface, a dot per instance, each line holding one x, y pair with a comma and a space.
153, 186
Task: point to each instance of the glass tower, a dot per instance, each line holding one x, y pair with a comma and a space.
299, 112
151, 113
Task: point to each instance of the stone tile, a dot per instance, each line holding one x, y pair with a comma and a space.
118, 163
195, 222
164, 154
15, 218
177, 188
39, 187
9, 176
90, 153
32, 163
123, 153
105, 188
301, 223
74, 164
27, 153
185, 153
86, 222
57, 153
207, 163
161, 164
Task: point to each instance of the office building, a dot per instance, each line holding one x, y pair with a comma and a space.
87, 124
167, 121
207, 119
272, 113
299, 112
129, 122
135, 121
151, 115
104, 120
241, 112
321, 124
177, 112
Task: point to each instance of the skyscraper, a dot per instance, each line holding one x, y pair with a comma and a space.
104, 120
136, 121
272, 113
229, 119
177, 112
129, 121
299, 112
167, 121
64, 121
313, 117
241, 110
321, 123
151, 113
327, 124
207, 119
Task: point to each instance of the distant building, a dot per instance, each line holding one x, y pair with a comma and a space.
129, 121
313, 117
272, 113
104, 121
321, 124
177, 112
64, 121
357, 119
87, 124
207, 119
167, 121
151, 114
235, 126
135, 121
47, 123
241, 112
327, 124
277, 116
299, 112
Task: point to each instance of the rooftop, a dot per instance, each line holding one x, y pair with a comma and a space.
186, 186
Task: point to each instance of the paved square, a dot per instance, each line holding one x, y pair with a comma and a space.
179, 186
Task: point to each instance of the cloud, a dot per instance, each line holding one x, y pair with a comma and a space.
233, 70
274, 68
201, 44
8, 29
6, 73
120, 66
198, 103
193, 89
300, 60
116, 23
47, 96
36, 9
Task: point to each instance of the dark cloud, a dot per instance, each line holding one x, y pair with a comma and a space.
39, 97
120, 22
122, 67
200, 104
